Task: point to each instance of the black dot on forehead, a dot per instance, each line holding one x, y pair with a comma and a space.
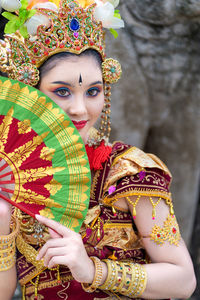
80, 80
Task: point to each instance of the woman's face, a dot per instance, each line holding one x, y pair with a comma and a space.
76, 85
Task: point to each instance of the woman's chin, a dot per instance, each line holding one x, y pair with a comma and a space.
84, 135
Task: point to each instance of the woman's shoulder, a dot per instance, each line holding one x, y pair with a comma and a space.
127, 160
132, 172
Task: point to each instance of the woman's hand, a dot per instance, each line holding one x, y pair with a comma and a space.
5, 216
66, 248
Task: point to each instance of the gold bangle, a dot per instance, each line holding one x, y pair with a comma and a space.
128, 279
137, 287
120, 277
142, 282
110, 280
90, 288
134, 281
7, 247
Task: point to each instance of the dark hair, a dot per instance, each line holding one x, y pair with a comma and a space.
50, 63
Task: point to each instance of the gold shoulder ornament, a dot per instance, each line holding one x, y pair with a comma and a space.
169, 232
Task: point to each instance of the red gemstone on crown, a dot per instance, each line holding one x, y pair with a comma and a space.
33, 61
24, 221
174, 230
35, 50
78, 48
46, 53
47, 41
91, 43
62, 46
158, 235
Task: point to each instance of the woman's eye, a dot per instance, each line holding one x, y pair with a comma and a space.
62, 92
93, 92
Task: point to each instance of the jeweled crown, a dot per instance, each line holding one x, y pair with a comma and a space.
71, 28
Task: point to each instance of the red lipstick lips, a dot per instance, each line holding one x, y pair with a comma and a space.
80, 124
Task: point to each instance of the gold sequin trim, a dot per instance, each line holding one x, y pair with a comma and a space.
139, 192
29, 252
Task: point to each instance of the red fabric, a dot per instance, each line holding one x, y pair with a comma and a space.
70, 290
97, 156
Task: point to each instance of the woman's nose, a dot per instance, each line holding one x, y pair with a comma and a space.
77, 106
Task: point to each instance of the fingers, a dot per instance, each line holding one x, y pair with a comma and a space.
65, 248
53, 243
52, 255
56, 260
55, 226
54, 234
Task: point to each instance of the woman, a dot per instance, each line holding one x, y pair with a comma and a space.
129, 245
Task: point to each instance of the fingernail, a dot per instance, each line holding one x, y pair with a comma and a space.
38, 217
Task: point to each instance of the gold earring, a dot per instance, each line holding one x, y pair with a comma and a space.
105, 129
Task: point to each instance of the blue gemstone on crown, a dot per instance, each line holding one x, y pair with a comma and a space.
74, 24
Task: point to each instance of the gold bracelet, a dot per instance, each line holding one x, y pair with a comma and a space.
134, 281
7, 247
120, 278
110, 280
142, 282
128, 279
90, 288
138, 283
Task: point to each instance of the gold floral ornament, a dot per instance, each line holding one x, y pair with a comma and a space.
28, 74
169, 232
111, 70
24, 126
47, 153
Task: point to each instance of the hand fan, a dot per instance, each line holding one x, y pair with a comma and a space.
43, 164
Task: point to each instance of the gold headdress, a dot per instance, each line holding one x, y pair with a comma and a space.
41, 28
73, 26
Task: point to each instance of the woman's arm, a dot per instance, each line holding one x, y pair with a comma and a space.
8, 279
171, 273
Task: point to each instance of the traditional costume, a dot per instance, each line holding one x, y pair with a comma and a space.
121, 171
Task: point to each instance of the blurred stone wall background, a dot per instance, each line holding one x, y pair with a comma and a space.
156, 105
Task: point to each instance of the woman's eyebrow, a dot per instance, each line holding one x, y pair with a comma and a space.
96, 82
62, 82
69, 84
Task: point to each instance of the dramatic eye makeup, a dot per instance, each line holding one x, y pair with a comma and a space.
93, 91
62, 92
65, 89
